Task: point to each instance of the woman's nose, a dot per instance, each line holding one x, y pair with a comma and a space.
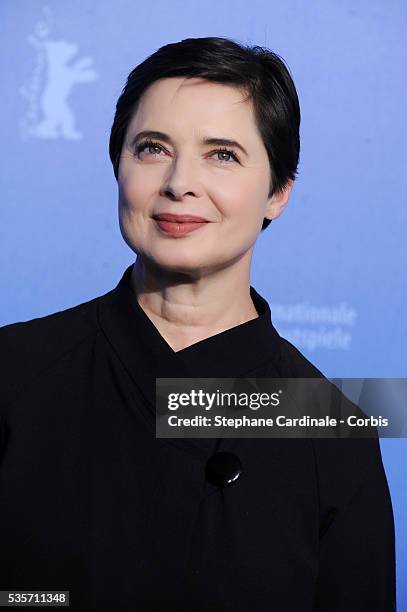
182, 179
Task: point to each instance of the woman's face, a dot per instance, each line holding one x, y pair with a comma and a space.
179, 173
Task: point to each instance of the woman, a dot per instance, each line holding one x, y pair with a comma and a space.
205, 147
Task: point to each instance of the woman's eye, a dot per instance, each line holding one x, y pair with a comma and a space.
228, 153
148, 144
155, 148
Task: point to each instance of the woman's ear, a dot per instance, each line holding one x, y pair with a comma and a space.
278, 201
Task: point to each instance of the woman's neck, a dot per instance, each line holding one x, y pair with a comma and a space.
187, 311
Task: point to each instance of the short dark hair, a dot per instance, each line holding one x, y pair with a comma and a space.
256, 70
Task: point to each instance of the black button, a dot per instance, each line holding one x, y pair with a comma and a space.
223, 469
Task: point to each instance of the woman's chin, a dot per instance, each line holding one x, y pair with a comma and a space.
181, 266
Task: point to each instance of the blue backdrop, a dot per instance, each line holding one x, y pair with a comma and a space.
332, 267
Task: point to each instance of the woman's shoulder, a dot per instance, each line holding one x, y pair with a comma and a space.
342, 464
28, 348
294, 363
70, 322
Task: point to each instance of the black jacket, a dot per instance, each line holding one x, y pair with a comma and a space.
92, 502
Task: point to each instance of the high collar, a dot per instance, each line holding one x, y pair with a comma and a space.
235, 352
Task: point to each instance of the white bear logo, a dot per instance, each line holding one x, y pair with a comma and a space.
54, 77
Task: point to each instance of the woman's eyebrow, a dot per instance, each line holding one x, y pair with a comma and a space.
206, 141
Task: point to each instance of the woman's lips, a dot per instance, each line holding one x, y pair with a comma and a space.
185, 218
177, 229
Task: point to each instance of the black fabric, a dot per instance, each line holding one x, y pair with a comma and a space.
93, 503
